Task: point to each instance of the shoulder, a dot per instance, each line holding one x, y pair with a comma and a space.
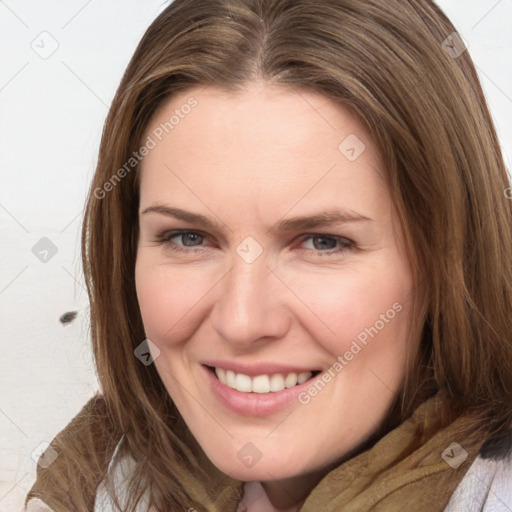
488, 483
87, 442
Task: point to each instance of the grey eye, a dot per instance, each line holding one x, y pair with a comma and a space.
188, 239
324, 242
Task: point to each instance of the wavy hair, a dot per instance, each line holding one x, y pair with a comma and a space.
395, 64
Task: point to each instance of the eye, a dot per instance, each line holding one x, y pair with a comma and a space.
188, 239
191, 241
326, 245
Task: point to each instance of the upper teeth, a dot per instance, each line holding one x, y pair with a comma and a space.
260, 383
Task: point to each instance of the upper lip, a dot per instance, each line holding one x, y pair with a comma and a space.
254, 369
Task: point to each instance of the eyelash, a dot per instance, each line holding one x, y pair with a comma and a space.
166, 236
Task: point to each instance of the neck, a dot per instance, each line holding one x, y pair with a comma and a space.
288, 494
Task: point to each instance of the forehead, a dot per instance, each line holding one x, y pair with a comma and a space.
260, 110
266, 142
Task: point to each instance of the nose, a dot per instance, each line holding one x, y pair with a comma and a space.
252, 305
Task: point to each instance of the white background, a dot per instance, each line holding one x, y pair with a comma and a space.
52, 113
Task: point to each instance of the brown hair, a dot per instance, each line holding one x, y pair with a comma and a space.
389, 62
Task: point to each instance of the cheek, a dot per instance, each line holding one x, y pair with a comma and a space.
167, 300
344, 305
353, 306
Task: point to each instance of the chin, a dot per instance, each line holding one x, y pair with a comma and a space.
259, 472
277, 467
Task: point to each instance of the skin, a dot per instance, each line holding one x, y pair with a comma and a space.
247, 161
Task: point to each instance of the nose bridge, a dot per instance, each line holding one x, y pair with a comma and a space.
250, 305
245, 288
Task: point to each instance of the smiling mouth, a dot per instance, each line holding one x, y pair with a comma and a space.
265, 383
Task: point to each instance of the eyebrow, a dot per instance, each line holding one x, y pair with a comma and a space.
325, 218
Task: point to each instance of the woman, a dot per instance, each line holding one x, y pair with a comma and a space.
297, 248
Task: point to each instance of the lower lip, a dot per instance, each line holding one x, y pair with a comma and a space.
254, 404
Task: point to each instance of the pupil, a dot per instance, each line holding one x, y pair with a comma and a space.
322, 239
190, 237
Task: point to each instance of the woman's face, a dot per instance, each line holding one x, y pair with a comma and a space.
269, 250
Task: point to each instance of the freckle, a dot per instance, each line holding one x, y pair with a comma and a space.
68, 317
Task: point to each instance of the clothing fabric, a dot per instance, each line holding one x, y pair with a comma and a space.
486, 487
442, 474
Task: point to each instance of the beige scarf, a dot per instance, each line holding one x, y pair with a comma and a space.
397, 474
391, 476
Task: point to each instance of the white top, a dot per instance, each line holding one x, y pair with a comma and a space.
487, 483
